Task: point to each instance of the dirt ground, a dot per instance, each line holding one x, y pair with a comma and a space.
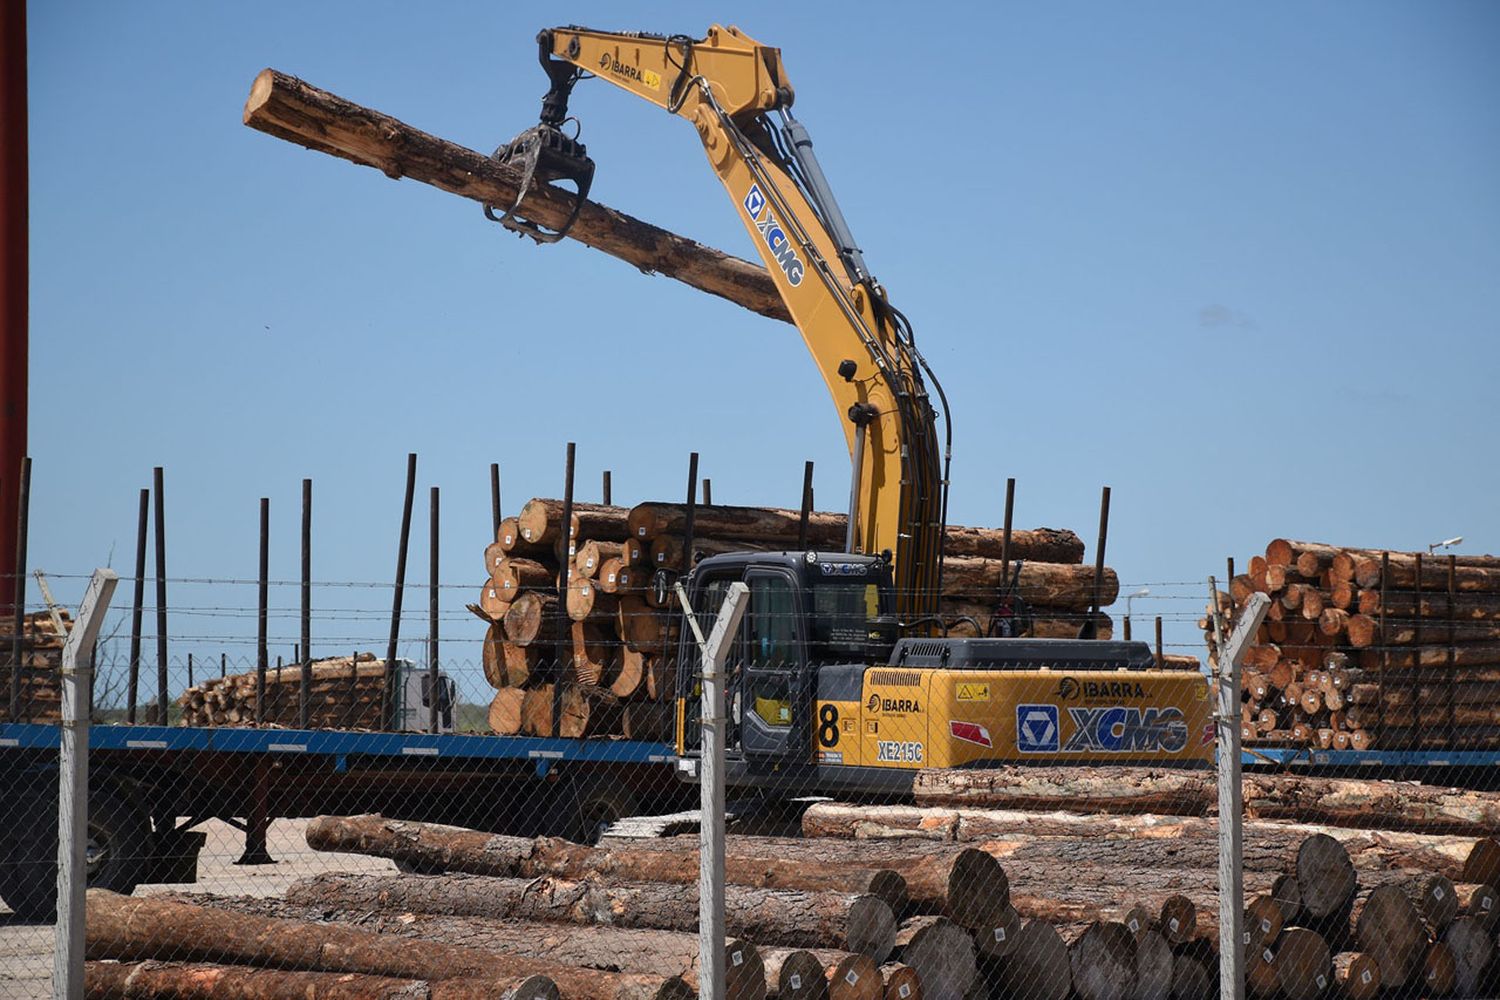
26, 949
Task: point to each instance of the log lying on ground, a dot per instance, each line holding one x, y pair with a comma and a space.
1445, 854
1037, 969
942, 955
750, 972
1103, 961
127, 930
1389, 929
291, 109
430, 846
1348, 802
859, 923
1137, 790
151, 980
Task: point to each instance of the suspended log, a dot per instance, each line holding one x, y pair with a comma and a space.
860, 923
942, 955
133, 929
151, 980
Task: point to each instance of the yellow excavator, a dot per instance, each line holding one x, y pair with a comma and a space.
841, 677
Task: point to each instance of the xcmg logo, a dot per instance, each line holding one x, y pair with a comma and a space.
776, 239
1118, 729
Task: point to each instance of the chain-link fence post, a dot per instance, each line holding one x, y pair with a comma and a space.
715, 649
73, 786
1231, 653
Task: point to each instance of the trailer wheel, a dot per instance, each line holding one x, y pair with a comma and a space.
598, 808
119, 835
114, 854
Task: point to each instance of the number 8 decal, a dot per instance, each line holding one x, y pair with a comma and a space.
828, 725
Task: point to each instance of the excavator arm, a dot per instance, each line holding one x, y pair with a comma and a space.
736, 94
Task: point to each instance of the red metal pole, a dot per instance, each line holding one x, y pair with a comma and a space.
13, 279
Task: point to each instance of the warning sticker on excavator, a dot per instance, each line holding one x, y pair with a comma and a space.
973, 692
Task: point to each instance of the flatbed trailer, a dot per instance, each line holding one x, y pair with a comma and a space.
151, 787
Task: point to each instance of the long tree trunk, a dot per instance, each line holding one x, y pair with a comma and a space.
1195, 836
1338, 801
434, 847
128, 929
860, 923
291, 109
153, 980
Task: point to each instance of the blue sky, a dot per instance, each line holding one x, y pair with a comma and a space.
1240, 264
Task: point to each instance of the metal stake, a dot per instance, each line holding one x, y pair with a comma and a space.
563, 647
388, 695
263, 592
432, 616
18, 619
161, 598
304, 682
495, 497
807, 502
136, 612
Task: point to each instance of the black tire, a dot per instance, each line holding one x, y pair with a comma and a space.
119, 843
119, 835
599, 807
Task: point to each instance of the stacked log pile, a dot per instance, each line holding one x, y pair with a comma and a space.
618, 635
1366, 649
41, 658
1132, 899
346, 693
870, 900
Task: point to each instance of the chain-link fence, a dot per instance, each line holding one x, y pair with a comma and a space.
987, 818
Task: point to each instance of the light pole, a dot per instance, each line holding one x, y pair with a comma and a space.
1446, 543
1143, 592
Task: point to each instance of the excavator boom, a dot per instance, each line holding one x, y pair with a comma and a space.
736, 94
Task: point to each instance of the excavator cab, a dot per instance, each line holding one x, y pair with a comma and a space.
810, 617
